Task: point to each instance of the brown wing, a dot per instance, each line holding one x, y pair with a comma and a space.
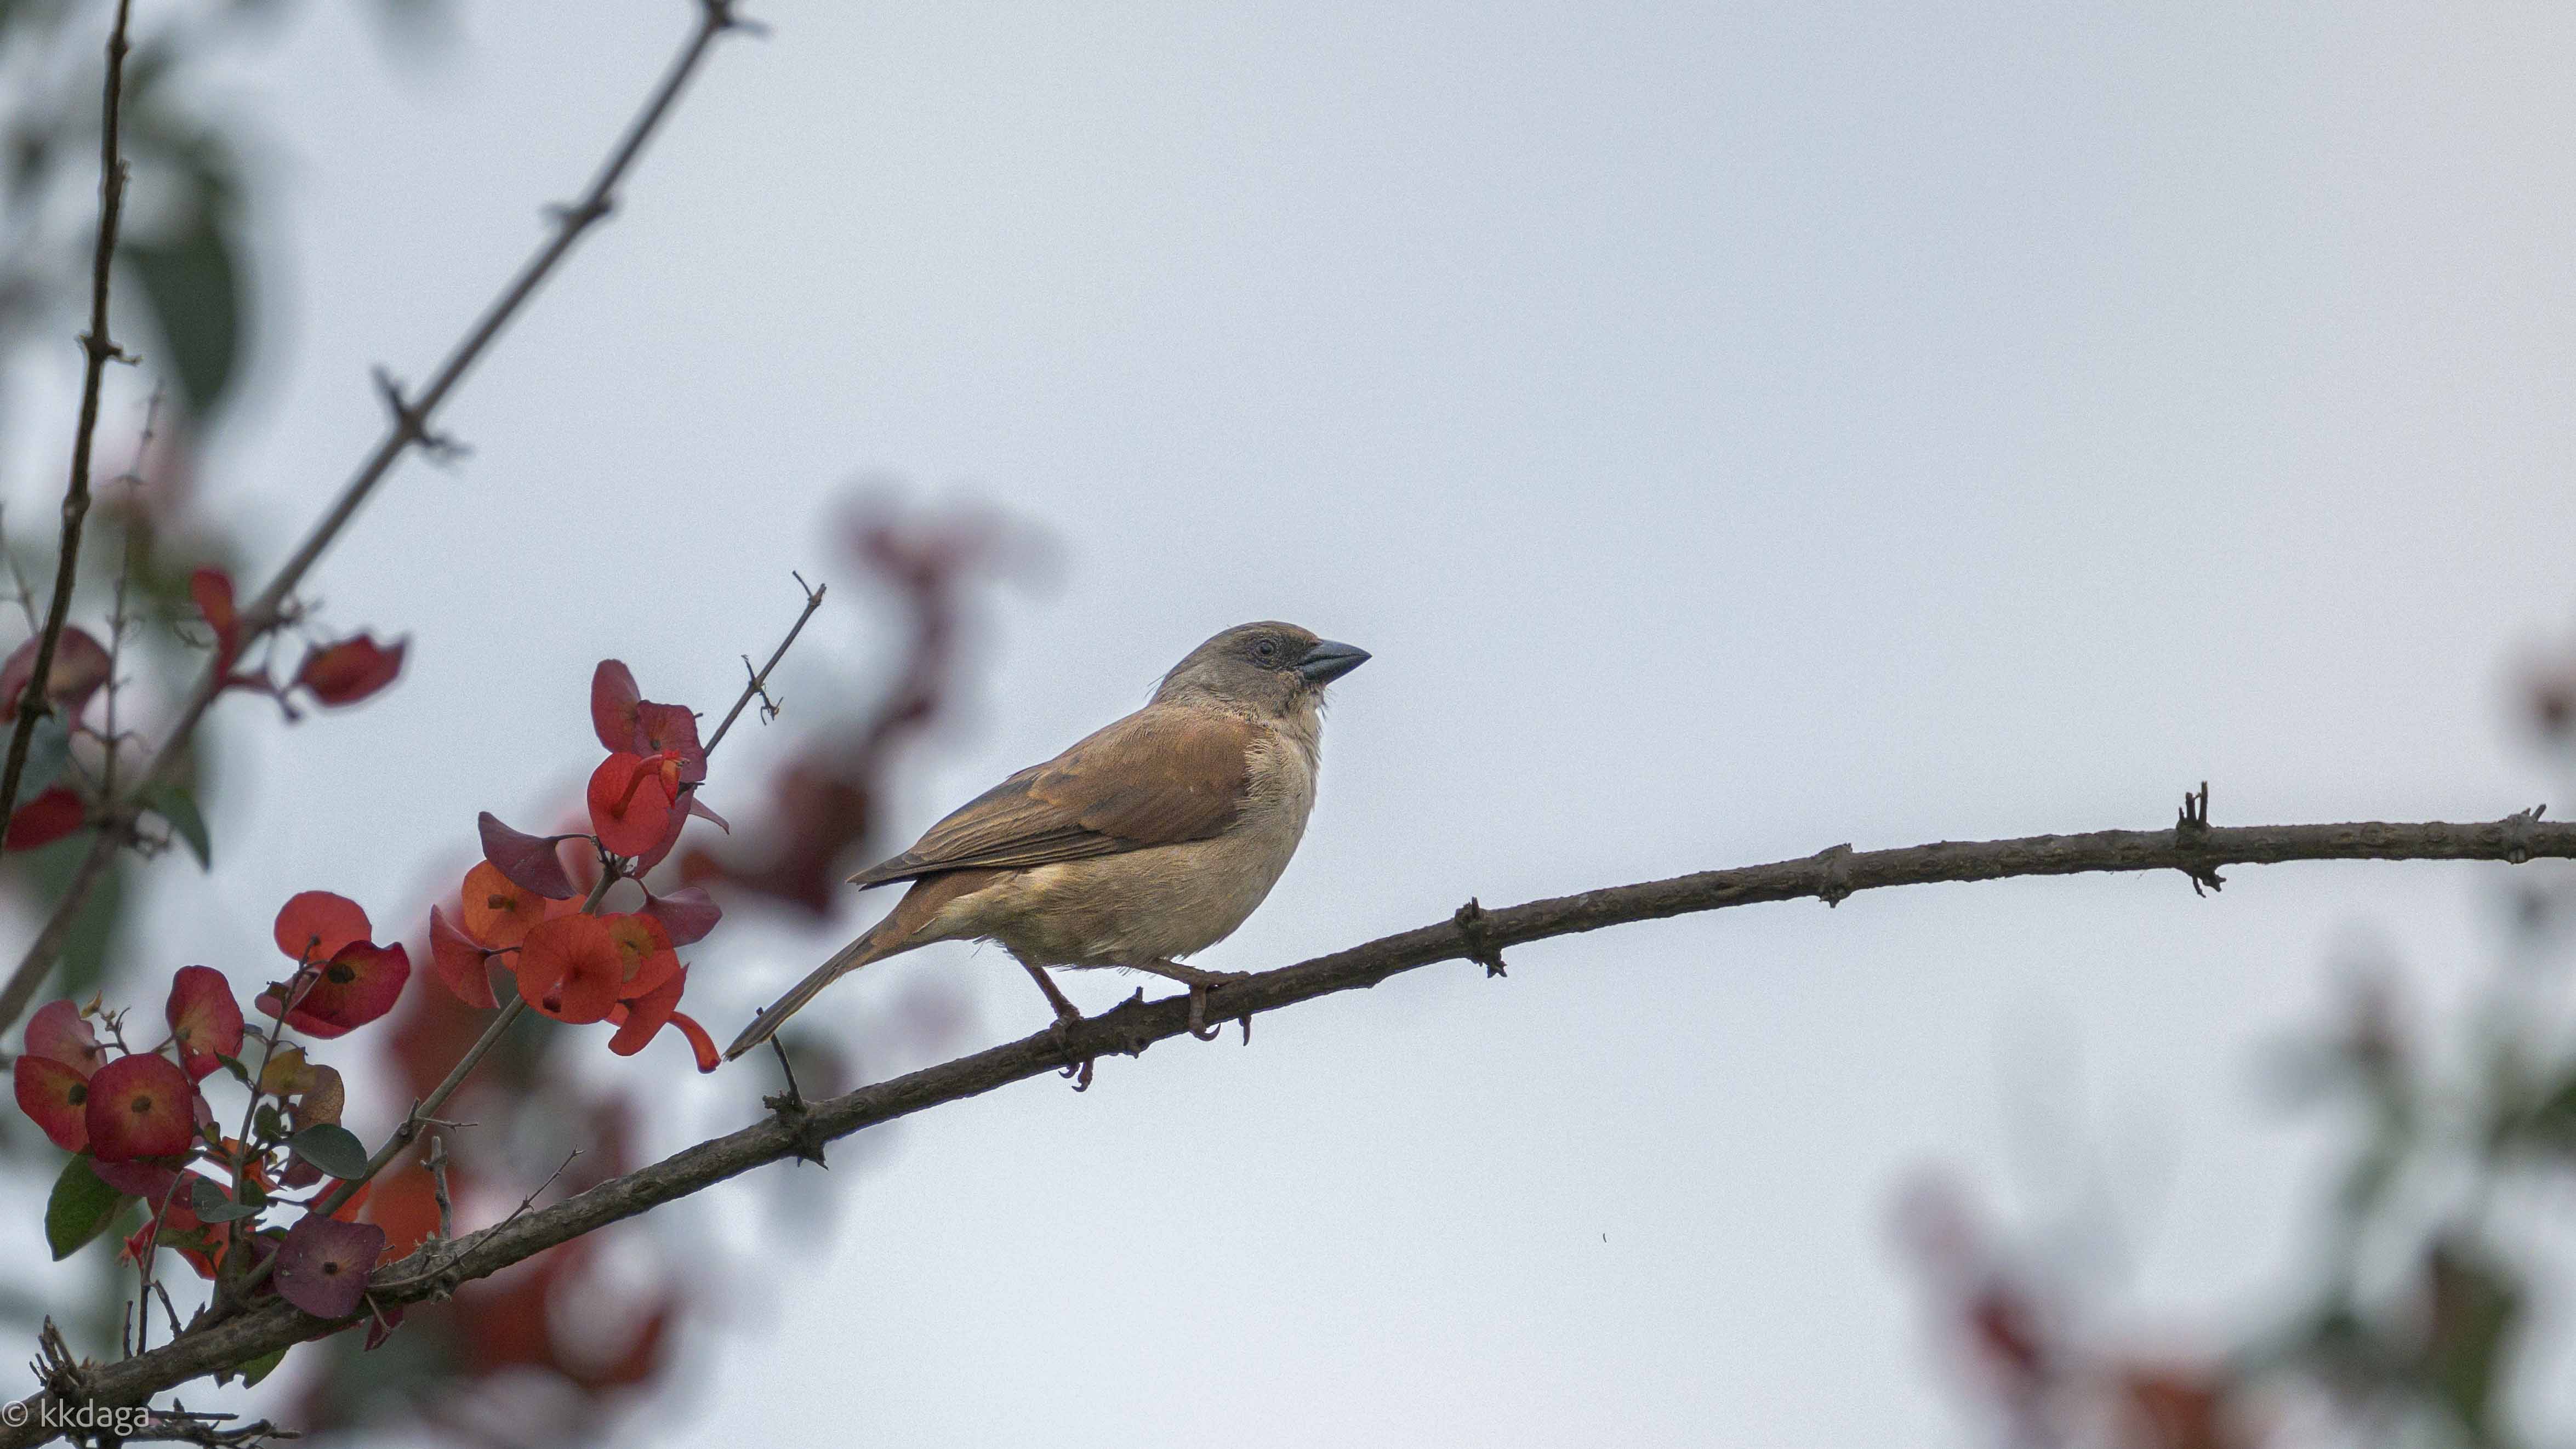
1159, 776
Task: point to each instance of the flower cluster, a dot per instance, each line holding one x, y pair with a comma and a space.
55, 797
141, 1129
525, 910
281, 1202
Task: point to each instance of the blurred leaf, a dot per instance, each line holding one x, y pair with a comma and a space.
2552, 1123
192, 284
251, 1371
80, 1208
94, 928
333, 1149
49, 749
2475, 1307
179, 807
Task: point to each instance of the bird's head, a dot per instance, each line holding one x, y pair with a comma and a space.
1276, 668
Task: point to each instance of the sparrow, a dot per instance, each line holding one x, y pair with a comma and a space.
1148, 841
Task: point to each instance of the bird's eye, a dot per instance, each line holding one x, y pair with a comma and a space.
1266, 649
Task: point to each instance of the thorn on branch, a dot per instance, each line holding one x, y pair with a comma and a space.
1470, 921
1833, 874
759, 690
104, 349
790, 1109
2191, 831
720, 17
411, 423
579, 214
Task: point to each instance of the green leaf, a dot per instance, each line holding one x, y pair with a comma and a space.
193, 286
49, 749
266, 1124
234, 1065
210, 1204
80, 1209
176, 805
332, 1148
253, 1370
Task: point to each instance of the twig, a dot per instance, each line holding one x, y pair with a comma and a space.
99, 349
409, 427
25, 592
759, 685
437, 1164
1131, 1028
118, 620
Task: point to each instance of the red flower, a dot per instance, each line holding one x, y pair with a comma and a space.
213, 591
461, 962
80, 667
626, 722
358, 984
499, 911
570, 968
350, 670
314, 925
205, 1020
140, 1106
643, 952
52, 1079
57, 1031
56, 1098
630, 802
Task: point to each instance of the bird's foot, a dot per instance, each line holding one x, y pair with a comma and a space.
1198, 1016
1078, 1068
1201, 983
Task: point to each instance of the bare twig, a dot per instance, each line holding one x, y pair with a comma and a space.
1133, 1027
408, 428
759, 685
436, 1161
99, 349
118, 619
20, 590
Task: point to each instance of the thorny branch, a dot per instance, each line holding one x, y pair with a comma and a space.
98, 349
2192, 846
759, 685
409, 427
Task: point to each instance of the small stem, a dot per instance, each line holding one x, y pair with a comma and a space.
117, 619
99, 349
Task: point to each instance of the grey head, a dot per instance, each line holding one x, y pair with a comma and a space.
1269, 666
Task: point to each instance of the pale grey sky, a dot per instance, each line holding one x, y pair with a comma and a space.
1735, 430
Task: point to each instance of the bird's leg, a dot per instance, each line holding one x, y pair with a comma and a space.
1066, 1014
1199, 982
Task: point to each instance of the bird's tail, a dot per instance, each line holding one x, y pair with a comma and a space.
870, 946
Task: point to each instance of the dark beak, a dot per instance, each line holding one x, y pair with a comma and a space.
1329, 661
